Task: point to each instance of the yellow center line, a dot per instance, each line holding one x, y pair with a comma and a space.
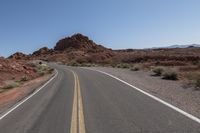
77, 121
74, 109
81, 114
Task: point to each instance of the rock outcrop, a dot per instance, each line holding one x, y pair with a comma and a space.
42, 51
77, 48
11, 69
77, 42
19, 56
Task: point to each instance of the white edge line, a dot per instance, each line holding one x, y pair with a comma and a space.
27, 98
153, 97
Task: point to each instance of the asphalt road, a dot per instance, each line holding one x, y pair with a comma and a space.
84, 101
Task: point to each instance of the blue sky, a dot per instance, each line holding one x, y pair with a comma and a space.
26, 25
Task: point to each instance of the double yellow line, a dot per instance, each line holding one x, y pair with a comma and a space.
77, 121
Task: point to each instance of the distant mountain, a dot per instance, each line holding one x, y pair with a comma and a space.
181, 46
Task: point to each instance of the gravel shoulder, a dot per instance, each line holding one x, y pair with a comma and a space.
12, 96
174, 92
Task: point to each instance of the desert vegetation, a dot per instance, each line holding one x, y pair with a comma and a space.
123, 65
76, 64
170, 75
21, 72
9, 85
158, 71
135, 68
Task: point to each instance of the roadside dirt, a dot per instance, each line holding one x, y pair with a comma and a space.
174, 92
12, 96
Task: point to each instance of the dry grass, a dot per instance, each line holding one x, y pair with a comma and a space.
10, 85
170, 75
157, 71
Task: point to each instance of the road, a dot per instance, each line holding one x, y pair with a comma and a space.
84, 101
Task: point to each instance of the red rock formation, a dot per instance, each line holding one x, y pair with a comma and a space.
19, 56
11, 69
77, 42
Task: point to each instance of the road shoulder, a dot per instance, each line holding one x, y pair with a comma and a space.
170, 91
13, 96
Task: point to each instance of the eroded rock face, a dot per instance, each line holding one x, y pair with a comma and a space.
11, 69
77, 42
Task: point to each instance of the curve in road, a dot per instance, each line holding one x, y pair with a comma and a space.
85, 101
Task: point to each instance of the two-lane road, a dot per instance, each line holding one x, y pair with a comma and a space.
84, 101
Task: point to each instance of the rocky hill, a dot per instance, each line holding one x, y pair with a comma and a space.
78, 42
79, 48
11, 69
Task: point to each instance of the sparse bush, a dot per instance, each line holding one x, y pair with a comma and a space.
197, 82
10, 85
123, 66
41, 73
113, 65
75, 64
43, 69
158, 71
24, 78
195, 62
170, 75
135, 69
85, 65
50, 70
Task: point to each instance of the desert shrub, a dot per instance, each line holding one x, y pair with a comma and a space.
41, 73
24, 78
135, 69
191, 76
10, 85
86, 65
75, 64
170, 75
158, 71
197, 82
123, 66
195, 62
113, 65
43, 69
50, 70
